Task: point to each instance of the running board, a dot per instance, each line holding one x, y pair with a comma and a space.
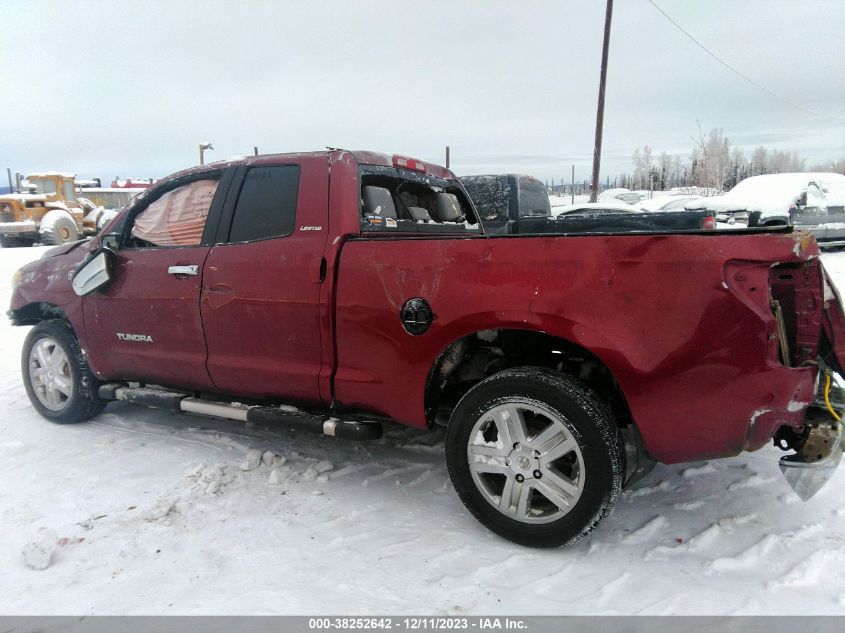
288, 416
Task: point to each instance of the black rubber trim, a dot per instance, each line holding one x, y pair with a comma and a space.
310, 423
358, 431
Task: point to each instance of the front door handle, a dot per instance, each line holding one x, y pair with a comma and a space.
192, 270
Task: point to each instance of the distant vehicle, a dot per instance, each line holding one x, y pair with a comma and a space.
796, 199
502, 199
49, 212
566, 200
595, 208
620, 194
666, 203
53, 212
132, 183
517, 204
110, 197
834, 193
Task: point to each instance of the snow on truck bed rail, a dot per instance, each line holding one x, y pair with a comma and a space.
141, 511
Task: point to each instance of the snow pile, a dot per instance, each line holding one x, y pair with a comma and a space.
37, 553
252, 460
209, 480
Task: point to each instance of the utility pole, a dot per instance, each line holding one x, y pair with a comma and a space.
572, 189
447, 157
600, 109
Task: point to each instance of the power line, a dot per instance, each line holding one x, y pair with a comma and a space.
738, 73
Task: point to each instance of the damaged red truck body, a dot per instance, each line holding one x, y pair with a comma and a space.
362, 287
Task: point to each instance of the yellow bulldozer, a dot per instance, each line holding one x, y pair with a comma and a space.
49, 212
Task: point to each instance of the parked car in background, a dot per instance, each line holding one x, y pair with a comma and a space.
665, 203
504, 198
566, 200
595, 208
519, 204
795, 199
620, 194
835, 196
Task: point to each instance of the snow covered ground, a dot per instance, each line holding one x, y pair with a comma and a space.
149, 512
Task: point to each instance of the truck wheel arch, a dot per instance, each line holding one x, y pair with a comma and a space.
36, 312
466, 361
462, 364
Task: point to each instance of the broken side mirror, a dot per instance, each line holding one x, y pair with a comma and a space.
111, 242
94, 274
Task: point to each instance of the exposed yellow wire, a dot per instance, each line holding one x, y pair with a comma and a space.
827, 396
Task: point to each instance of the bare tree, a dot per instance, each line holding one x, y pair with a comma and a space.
715, 164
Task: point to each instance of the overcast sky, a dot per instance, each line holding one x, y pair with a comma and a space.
131, 88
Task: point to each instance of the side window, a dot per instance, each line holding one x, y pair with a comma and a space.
267, 204
405, 205
176, 218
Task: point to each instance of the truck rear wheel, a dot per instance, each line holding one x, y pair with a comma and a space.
535, 456
58, 227
58, 381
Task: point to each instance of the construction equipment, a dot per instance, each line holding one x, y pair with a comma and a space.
49, 212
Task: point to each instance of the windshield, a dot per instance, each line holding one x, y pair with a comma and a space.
44, 186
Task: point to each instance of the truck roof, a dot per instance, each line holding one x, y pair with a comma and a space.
363, 157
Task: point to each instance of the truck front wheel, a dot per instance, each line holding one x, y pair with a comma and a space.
535, 456
58, 381
58, 227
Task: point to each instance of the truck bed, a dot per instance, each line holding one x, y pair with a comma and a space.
621, 222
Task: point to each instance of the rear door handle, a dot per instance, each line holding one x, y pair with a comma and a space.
192, 270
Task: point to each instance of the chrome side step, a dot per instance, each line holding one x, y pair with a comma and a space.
257, 414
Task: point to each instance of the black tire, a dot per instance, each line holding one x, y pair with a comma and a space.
586, 420
82, 402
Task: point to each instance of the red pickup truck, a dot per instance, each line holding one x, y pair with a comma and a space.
362, 287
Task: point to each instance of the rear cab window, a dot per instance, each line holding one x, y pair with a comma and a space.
397, 200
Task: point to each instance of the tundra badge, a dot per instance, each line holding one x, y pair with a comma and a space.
135, 338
